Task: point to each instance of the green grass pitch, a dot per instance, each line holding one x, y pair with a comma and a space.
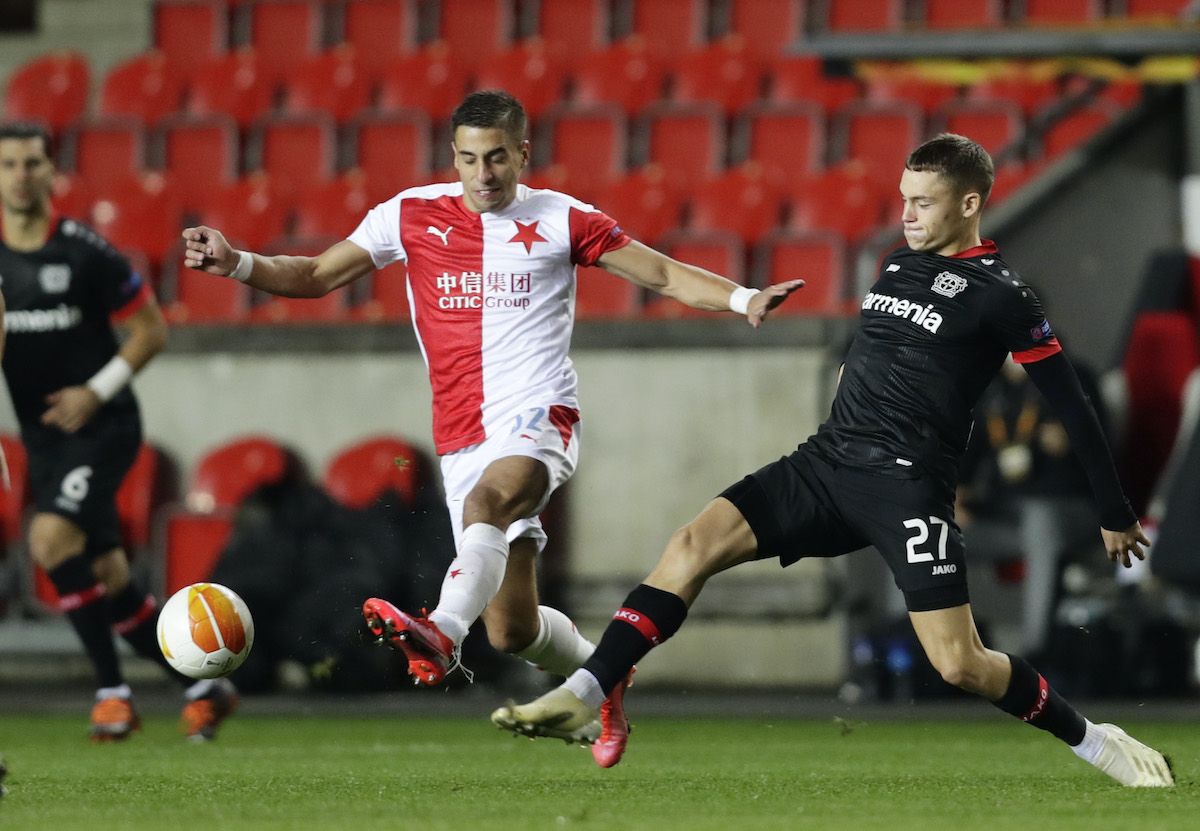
297, 772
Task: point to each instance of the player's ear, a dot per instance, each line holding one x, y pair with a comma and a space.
972, 203
524, 152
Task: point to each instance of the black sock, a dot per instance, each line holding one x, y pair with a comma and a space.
1030, 698
134, 618
81, 597
648, 617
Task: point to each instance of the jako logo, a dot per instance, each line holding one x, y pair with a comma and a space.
948, 568
922, 316
625, 614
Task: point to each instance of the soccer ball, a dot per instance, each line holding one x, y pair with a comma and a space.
205, 630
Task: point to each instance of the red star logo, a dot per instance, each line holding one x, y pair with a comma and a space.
455, 573
528, 235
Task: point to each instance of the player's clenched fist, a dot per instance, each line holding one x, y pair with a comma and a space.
207, 250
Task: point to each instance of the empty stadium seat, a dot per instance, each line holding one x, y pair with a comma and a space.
603, 296
627, 74
903, 86
1062, 12
430, 80
843, 200
579, 27
475, 30
864, 15
284, 33
786, 139
190, 33
1155, 11
392, 150
147, 87
140, 214
197, 297
963, 14
880, 135
297, 151
200, 154
802, 78
589, 141
335, 209
1028, 88
726, 73
769, 27
686, 139
721, 252
642, 202
142, 493
227, 474
530, 71
335, 83
1075, 128
15, 499
387, 297
70, 195
745, 201
379, 30
194, 544
358, 475
994, 124
671, 27
232, 85
249, 212
817, 258
107, 150
51, 89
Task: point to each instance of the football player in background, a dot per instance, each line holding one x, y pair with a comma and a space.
938, 324
491, 275
68, 377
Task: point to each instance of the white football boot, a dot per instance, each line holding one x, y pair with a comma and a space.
1130, 762
558, 714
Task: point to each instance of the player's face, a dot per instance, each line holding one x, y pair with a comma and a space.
935, 218
26, 175
489, 163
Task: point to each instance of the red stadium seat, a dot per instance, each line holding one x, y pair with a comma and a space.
362, 473
14, 500
140, 214
994, 124
379, 31
335, 83
802, 78
475, 30
284, 33
335, 209
392, 150
190, 33
963, 14
627, 74
199, 154
107, 150
147, 87
249, 212
530, 70
603, 296
51, 89
903, 87
1062, 12
70, 195
718, 251
1155, 11
227, 474
880, 135
579, 27
232, 85
769, 27
588, 141
298, 152
194, 545
1075, 128
202, 298
643, 203
864, 15
1028, 90
671, 27
141, 494
727, 73
744, 201
431, 80
1010, 178
786, 139
387, 297
817, 258
843, 200
686, 139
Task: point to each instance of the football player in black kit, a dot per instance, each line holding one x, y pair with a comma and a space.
935, 328
64, 287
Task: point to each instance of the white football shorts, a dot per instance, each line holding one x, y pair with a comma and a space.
548, 434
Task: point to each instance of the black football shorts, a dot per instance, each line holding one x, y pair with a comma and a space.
77, 475
803, 506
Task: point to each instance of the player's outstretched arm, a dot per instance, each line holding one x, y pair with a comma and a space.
206, 249
692, 285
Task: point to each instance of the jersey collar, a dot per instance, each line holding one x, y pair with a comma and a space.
985, 247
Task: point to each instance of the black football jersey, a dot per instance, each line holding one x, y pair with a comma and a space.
60, 302
933, 333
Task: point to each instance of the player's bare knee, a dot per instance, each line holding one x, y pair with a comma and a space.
494, 506
50, 545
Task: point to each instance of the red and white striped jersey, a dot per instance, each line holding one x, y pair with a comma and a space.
492, 297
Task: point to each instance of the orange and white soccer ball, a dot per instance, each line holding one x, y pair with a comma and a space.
205, 630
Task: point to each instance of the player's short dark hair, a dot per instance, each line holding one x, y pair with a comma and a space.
27, 130
491, 108
962, 162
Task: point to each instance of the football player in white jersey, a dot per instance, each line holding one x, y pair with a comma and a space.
491, 285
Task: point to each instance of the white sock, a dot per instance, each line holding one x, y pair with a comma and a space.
121, 691
198, 690
586, 688
472, 581
1093, 741
558, 649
